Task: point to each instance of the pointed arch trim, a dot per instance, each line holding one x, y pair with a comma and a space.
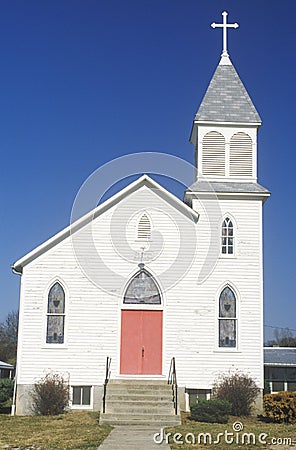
227, 317
55, 315
142, 289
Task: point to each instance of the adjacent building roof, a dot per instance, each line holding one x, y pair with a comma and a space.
4, 365
280, 356
226, 99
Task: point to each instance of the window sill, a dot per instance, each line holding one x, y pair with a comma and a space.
55, 346
227, 256
227, 350
81, 407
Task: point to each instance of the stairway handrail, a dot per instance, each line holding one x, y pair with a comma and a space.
172, 379
107, 378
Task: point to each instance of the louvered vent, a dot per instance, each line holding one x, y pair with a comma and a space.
240, 162
144, 228
213, 154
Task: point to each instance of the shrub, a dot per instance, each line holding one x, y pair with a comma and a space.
280, 407
50, 395
238, 389
212, 411
6, 391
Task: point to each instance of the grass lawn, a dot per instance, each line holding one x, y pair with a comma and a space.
279, 432
74, 430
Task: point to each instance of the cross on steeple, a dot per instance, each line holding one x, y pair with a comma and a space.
224, 25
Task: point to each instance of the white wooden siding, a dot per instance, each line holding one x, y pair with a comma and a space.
92, 325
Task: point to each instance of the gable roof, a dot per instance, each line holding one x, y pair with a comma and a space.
144, 180
226, 99
280, 356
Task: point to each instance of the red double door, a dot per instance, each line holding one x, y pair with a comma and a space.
141, 342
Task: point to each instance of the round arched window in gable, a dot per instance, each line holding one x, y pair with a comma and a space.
144, 228
142, 289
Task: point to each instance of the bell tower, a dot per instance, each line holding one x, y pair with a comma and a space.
224, 130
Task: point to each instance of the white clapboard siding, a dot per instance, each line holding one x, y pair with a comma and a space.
213, 154
240, 157
92, 321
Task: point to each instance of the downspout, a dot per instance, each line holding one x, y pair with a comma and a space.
15, 375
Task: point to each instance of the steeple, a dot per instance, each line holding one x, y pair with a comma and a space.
224, 130
226, 99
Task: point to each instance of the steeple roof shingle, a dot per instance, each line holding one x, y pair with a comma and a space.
226, 99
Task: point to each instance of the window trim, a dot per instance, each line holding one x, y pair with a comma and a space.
235, 349
234, 237
76, 406
55, 345
142, 306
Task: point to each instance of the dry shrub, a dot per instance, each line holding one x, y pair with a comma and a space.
239, 389
50, 395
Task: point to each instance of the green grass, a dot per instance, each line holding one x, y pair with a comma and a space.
74, 430
250, 424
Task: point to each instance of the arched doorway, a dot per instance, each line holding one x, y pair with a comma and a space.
141, 327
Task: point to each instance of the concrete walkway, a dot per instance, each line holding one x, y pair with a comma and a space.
133, 438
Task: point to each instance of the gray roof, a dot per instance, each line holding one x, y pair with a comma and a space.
227, 187
276, 356
226, 99
4, 365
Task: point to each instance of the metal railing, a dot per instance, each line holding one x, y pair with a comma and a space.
172, 379
107, 378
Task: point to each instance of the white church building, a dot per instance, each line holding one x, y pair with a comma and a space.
146, 277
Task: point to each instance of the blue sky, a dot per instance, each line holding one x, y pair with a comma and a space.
83, 82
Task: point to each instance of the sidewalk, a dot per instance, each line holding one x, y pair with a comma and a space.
132, 438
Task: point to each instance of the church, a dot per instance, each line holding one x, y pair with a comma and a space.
145, 284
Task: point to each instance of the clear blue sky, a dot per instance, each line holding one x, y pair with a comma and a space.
83, 82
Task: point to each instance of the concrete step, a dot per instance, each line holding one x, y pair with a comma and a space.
139, 402
139, 407
160, 397
134, 382
163, 420
139, 387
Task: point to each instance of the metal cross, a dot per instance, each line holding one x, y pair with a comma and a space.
224, 25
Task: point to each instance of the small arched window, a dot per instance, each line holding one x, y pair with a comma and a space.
144, 228
142, 289
227, 318
55, 315
227, 237
241, 155
213, 154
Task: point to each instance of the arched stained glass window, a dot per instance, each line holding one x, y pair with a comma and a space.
227, 318
142, 289
55, 315
227, 238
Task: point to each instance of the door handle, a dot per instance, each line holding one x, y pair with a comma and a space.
143, 351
